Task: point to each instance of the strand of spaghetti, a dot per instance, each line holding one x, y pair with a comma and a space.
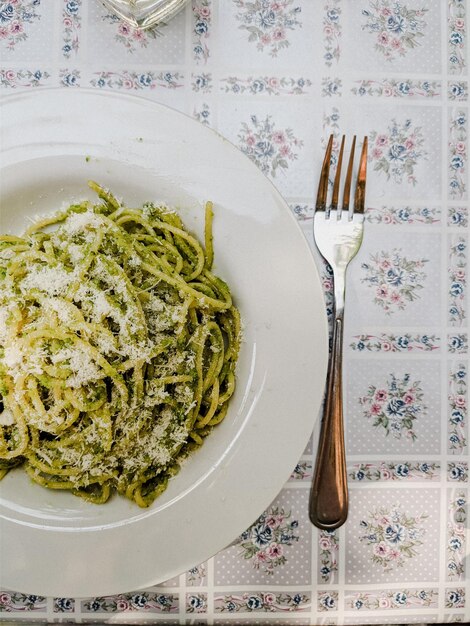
220, 305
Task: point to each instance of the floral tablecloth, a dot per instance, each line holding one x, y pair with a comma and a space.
276, 77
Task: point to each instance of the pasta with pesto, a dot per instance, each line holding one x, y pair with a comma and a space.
118, 348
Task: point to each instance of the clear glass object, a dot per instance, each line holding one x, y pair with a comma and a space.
145, 13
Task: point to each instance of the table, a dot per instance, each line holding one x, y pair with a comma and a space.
276, 78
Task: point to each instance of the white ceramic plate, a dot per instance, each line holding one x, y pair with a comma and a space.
52, 141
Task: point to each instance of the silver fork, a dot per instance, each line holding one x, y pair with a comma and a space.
338, 236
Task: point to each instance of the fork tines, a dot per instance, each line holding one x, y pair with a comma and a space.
360, 192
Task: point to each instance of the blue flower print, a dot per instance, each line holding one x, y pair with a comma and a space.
400, 598
333, 15
395, 24
196, 602
402, 470
231, 607
454, 597
456, 90
457, 162
6, 12
456, 289
455, 543
396, 407
139, 600
64, 604
145, 80
394, 533
69, 80
403, 342
201, 27
261, 535
94, 605
358, 604
72, 7
397, 152
455, 38
456, 472
254, 602
328, 602
456, 343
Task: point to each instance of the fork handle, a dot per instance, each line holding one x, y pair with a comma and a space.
328, 506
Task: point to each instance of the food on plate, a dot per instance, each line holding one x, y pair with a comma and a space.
118, 348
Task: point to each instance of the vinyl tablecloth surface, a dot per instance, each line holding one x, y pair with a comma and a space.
276, 78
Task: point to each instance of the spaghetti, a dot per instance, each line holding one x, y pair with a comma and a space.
118, 348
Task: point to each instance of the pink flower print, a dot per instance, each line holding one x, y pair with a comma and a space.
138, 34
381, 549
382, 291
10, 75
16, 28
325, 543
124, 30
460, 401
284, 151
68, 22
385, 473
377, 153
394, 554
381, 395
395, 44
122, 605
279, 35
395, 297
375, 409
279, 137
269, 598
387, 92
460, 274
250, 140
459, 23
384, 603
328, 31
385, 265
274, 550
204, 11
327, 284
460, 147
408, 398
273, 82
3, 32
5, 599
459, 529
383, 38
275, 6
127, 84
273, 521
265, 40
382, 140
260, 558
410, 143
386, 346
